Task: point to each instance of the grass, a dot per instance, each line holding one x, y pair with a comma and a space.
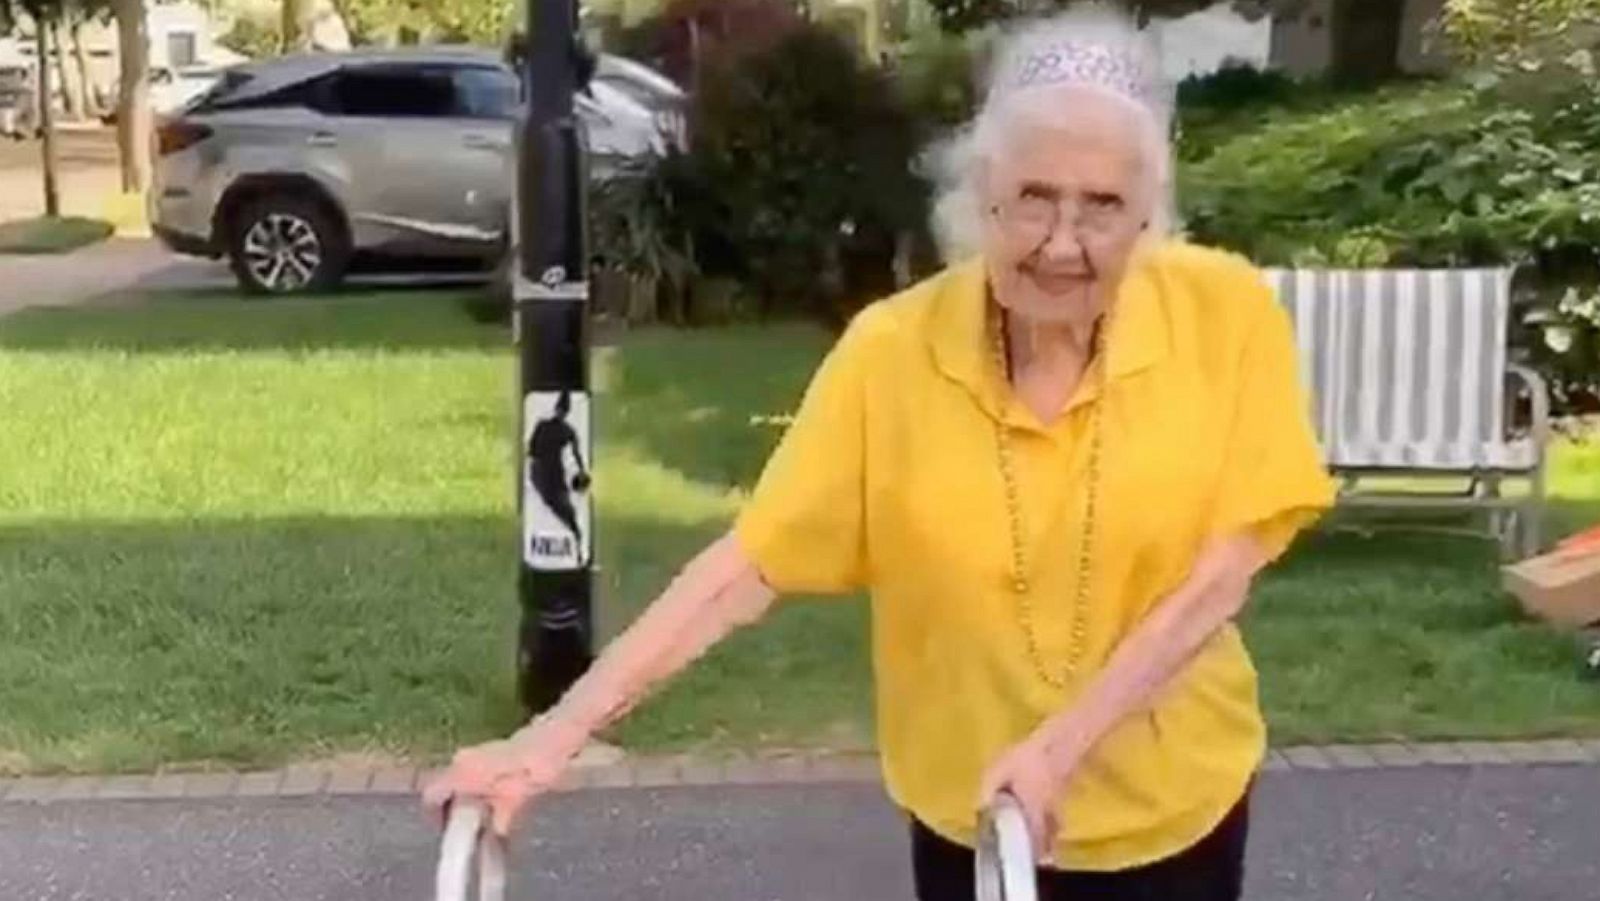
249, 533
252, 532
51, 234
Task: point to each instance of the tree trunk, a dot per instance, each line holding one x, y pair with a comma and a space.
133, 96
80, 56
47, 120
1366, 40
296, 33
71, 86
353, 25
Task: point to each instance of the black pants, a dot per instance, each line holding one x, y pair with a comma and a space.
1212, 870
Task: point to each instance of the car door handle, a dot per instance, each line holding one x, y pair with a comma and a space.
483, 142
323, 139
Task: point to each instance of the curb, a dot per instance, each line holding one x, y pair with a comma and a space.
693, 771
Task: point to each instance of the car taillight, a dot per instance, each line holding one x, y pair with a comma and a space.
172, 137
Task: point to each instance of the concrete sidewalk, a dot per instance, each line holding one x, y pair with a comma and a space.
1511, 832
117, 265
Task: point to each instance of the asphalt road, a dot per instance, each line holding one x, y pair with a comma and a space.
1529, 834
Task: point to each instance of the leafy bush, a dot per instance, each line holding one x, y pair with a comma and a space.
255, 36
644, 244
1562, 338
1236, 85
937, 78
1537, 42
809, 152
1438, 176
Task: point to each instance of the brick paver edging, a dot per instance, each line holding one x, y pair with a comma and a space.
663, 772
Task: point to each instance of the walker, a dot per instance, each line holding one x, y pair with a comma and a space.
470, 852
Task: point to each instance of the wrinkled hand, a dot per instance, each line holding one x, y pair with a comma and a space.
1037, 778
504, 775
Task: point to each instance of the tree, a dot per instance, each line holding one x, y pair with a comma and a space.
73, 88
478, 21
76, 14
80, 59
484, 22
1366, 33
1536, 40
253, 36
358, 19
296, 27
45, 15
134, 120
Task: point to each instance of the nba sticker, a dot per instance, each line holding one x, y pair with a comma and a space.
556, 513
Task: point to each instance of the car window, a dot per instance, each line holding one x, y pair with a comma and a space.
485, 93
397, 92
229, 94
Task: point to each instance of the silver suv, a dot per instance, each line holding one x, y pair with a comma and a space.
298, 169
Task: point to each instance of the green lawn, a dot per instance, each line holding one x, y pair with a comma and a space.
256, 532
51, 235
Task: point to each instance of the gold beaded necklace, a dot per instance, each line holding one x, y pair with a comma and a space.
1019, 564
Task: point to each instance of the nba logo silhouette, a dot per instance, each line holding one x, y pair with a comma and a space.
556, 513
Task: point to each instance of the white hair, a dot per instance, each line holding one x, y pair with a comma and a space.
1106, 56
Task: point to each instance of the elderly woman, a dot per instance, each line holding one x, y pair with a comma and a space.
1056, 467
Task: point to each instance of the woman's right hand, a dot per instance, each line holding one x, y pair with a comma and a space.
505, 775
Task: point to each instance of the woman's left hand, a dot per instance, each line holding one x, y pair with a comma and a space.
1036, 775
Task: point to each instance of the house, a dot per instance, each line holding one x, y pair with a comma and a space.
1209, 39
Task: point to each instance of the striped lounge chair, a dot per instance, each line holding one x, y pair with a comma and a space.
1409, 375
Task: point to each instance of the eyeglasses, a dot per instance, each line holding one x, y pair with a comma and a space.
1032, 218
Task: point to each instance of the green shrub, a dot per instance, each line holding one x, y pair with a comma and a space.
1236, 85
1537, 43
254, 35
937, 78
643, 238
1435, 176
806, 154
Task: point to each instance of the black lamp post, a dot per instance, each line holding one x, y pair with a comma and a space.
550, 302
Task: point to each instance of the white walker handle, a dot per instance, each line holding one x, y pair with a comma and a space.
467, 838
1004, 858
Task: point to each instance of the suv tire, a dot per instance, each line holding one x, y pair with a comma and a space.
287, 244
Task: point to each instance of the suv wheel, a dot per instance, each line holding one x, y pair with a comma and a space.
287, 244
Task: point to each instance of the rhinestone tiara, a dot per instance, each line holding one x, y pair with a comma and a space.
1083, 63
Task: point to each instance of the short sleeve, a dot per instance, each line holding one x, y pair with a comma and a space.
803, 526
1274, 481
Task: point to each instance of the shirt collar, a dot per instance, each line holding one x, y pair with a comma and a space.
957, 332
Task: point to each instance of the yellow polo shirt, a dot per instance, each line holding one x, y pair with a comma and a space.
889, 480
